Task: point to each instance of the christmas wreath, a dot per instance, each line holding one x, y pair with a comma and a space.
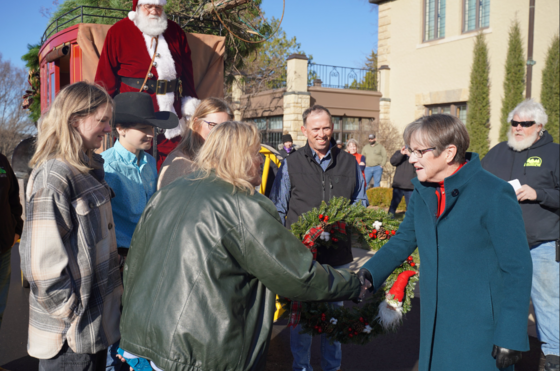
382, 312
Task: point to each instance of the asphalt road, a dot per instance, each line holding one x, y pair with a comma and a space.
396, 352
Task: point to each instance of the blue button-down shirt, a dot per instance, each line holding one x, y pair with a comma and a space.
280, 192
134, 180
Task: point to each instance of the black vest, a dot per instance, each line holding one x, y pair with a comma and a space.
310, 185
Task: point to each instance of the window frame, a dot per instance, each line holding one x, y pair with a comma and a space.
264, 133
344, 134
477, 26
455, 109
437, 36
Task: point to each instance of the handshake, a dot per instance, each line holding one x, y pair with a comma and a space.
367, 284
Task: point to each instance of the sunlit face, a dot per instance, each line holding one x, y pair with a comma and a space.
523, 135
93, 128
256, 169
352, 149
139, 137
208, 122
151, 10
318, 131
430, 168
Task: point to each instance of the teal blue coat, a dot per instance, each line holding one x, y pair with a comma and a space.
475, 271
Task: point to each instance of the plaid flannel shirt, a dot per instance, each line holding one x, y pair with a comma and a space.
69, 256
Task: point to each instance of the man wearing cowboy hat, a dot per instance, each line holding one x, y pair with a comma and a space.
149, 53
130, 171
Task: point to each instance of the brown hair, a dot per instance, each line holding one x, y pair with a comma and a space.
439, 131
313, 109
57, 136
192, 141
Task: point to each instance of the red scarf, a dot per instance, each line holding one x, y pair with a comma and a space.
440, 193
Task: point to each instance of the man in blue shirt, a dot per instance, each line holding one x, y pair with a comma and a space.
131, 172
317, 172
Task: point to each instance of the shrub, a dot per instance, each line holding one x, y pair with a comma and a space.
382, 197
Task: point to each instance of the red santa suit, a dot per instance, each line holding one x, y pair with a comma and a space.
127, 53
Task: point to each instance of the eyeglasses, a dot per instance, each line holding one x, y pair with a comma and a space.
419, 152
211, 125
149, 8
524, 124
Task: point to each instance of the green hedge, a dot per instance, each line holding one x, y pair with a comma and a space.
382, 197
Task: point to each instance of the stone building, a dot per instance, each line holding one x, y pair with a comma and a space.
426, 46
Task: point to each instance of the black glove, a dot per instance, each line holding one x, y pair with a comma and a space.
367, 284
505, 357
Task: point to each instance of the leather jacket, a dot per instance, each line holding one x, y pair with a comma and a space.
204, 266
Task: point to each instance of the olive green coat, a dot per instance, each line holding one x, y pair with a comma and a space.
202, 273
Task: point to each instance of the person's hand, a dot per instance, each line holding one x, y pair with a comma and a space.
121, 358
505, 357
367, 284
16, 237
526, 193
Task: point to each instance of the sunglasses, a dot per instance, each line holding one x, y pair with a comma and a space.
524, 124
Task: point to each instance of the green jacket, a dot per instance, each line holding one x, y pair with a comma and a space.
202, 273
375, 155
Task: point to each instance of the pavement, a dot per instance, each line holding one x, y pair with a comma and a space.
395, 352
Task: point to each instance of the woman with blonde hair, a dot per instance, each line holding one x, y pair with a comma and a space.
209, 113
68, 248
225, 254
352, 148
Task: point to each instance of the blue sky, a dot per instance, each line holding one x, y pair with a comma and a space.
340, 33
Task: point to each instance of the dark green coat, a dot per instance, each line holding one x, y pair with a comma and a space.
475, 271
202, 273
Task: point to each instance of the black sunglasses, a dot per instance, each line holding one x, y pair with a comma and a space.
524, 124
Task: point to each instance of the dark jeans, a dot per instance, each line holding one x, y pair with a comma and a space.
398, 194
67, 360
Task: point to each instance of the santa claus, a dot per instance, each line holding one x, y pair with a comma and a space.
147, 52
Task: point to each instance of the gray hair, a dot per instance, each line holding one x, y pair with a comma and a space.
352, 141
315, 108
529, 109
439, 131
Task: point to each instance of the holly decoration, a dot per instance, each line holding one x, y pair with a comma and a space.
358, 325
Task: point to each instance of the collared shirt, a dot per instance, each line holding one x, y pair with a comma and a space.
280, 193
69, 256
134, 181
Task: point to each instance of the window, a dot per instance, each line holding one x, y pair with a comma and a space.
345, 128
455, 109
476, 14
271, 130
434, 19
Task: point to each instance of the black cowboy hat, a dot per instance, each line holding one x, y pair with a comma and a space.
138, 108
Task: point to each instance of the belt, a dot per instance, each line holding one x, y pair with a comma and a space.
160, 87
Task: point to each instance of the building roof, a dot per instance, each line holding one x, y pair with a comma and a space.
378, 2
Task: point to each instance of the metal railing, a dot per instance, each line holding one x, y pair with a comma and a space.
57, 24
341, 77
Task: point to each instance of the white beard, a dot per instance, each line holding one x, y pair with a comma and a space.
151, 25
521, 144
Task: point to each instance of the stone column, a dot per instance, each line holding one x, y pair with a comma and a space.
296, 97
237, 89
384, 89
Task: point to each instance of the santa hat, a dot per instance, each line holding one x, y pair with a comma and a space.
135, 4
390, 310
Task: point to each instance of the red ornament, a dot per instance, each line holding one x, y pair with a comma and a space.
320, 216
367, 324
362, 319
371, 235
326, 219
319, 330
412, 264
311, 243
386, 232
350, 335
350, 329
410, 258
335, 239
375, 231
356, 333
393, 233
399, 286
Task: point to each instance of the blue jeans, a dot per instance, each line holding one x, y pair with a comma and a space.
545, 295
398, 194
5, 272
300, 344
113, 363
374, 172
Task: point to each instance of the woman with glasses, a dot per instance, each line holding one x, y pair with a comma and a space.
475, 264
209, 113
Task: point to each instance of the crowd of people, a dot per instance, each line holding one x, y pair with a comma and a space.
174, 263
